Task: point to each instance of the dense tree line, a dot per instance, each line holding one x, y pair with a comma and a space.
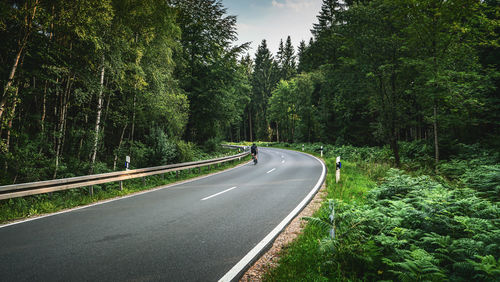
86, 83
383, 71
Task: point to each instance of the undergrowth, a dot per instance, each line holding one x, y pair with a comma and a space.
390, 224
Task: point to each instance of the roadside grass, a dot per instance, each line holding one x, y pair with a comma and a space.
25, 207
395, 225
303, 260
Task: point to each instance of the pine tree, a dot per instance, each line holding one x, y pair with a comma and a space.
288, 65
301, 50
328, 16
263, 82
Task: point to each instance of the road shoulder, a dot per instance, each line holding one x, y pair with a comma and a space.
270, 259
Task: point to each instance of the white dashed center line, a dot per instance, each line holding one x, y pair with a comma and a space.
218, 193
271, 170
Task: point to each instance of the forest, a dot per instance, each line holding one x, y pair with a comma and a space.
406, 91
86, 83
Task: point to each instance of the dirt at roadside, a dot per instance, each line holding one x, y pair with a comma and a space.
270, 259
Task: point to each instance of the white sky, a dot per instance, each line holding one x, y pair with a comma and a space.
273, 20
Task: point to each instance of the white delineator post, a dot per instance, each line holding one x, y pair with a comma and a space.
337, 170
321, 151
127, 162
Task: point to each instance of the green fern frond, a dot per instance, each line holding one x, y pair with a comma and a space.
320, 223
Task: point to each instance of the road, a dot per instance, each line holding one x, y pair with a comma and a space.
195, 231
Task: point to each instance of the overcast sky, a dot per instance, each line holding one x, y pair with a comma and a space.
273, 20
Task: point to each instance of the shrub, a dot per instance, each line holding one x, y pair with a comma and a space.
414, 228
184, 151
162, 150
485, 179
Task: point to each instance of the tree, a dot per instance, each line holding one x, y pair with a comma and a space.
264, 79
444, 35
204, 65
288, 63
300, 55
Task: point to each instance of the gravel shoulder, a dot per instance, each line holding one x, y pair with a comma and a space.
270, 259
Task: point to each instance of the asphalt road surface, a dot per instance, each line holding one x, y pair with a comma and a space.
194, 231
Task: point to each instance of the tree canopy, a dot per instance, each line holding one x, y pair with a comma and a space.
86, 83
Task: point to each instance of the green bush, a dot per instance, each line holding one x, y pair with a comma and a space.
485, 179
415, 229
162, 150
212, 145
184, 151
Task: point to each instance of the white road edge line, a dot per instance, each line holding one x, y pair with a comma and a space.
248, 258
206, 198
271, 170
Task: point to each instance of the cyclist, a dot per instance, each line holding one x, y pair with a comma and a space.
254, 152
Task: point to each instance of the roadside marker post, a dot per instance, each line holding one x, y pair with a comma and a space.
337, 170
321, 151
302, 147
127, 163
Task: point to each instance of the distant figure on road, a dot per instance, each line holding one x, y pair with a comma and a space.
254, 152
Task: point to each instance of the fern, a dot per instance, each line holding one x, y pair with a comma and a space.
488, 268
320, 223
417, 265
413, 229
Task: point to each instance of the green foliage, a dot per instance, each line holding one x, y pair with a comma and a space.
425, 230
487, 266
389, 71
162, 150
185, 151
208, 69
406, 228
485, 179
418, 265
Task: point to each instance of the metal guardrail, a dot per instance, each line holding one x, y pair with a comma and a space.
40, 187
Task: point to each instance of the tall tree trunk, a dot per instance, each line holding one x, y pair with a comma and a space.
244, 124
98, 119
80, 146
277, 132
22, 45
133, 119
435, 127
107, 107
65, 109
119, 146
250, 123
44, 108
9, 128
62, 123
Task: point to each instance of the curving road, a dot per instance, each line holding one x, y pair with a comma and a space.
202, 230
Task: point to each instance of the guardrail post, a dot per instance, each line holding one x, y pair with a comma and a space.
91, 191
176, 174
199, 170
121, 185
144, 181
